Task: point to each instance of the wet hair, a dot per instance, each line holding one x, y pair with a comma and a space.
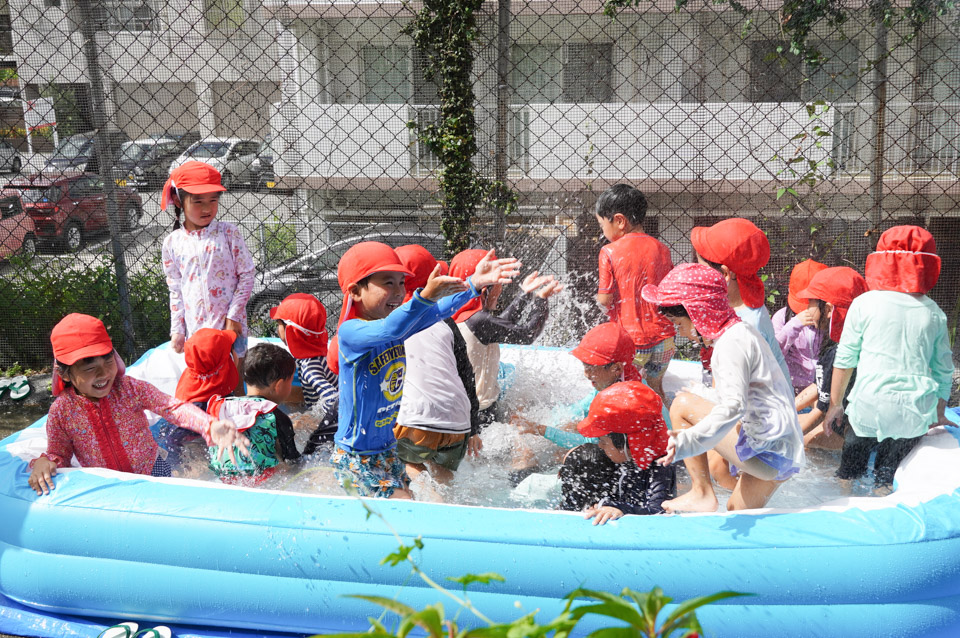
619, 440
267, 363
826, 342
712, 264
678, 312
623, 199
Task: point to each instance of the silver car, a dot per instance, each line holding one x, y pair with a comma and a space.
232, 156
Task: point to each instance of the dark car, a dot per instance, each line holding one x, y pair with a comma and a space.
144, 163
79, 152
316, 273
65, 208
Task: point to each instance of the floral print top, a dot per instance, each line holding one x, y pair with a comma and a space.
210, 273
113, 432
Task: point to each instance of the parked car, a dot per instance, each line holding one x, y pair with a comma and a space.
9, 158
232, 156
316, 273
65, 208
17, 236
79, 152
143, 163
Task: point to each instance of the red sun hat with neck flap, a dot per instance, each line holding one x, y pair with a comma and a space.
905, 260
420, 262
702, 291
838, 286
210, 368
197, 178
306, 325
605, 344
739, 245
77, 337
462, 266
633, 409
799, 279
359, 262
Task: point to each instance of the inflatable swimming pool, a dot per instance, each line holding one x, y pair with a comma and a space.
110, 545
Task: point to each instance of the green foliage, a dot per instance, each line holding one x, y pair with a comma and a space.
634, 614
278, 241
16, 370
39, 294
70, 120
444, 31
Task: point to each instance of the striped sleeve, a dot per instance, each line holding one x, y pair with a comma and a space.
319, 383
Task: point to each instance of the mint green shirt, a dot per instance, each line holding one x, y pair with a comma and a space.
899, 345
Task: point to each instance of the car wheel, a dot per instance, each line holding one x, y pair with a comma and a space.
16, 165
131, 216
28, 249
72, 238
226, 180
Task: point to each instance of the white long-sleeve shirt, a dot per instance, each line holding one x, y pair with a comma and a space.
753, 391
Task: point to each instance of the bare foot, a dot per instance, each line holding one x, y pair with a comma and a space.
692, 502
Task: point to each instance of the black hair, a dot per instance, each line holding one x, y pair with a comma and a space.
712, 264
826, 342
619, 440
788, 313
623, 199
181, 195
678, 312
267, 363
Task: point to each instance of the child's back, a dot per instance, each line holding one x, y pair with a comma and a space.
269, 430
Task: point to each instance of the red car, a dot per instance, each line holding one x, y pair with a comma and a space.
16, 227
67, 207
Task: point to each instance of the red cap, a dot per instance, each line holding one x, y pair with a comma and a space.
194, 177
838, 286
420, 262
605, 344
333, 356
799, 279
210, 368
78, 337
462, 266
905, 261
306, 321
360, 261
631, 408
739, 245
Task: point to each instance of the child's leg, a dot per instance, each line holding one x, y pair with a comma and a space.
720, 471
751, 492
654, 361
855, 455
818, 438
890, 453
687, 410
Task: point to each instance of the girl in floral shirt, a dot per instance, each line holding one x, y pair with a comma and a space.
209, 269
98, 415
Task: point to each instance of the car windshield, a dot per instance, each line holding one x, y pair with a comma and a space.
72, 147
210, 149
133, 152
38, 194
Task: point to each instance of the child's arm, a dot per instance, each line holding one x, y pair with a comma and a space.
286, 445
178, 328
807, 397
838, 390
489, 329
246, 275
58, 454
941, 367
316, 374
605, 296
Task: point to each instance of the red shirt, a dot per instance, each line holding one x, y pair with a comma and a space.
626, 266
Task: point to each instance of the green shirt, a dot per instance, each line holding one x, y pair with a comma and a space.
898, 343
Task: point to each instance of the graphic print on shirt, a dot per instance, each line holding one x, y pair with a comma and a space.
392, 364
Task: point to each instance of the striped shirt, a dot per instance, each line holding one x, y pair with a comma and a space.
319, 383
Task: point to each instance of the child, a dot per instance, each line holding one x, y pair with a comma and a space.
484, 332
438, 421
209, 270
373, 325
796, 328
767, 447
268, 372
617, 476
829, 295
211, 370
896, 338
98, 413
738, 249
302, 326
630, 261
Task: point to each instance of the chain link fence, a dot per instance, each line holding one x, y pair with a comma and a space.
306, 108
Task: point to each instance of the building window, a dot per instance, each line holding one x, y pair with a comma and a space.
126, 15
937, 129
773, 77
587, 72
535, 73
390, 76
836, 79
224, 15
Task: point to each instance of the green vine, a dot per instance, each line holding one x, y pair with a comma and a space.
444, 31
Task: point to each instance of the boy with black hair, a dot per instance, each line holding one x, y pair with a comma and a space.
268, 372
630, 261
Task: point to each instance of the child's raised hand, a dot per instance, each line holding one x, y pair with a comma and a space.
441, 285
41, 477
544, 286
224, 435
491, 270
176, 342
602, 514
807, 318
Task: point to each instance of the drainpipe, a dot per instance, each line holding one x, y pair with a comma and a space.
879, 82
503, 106
106, 152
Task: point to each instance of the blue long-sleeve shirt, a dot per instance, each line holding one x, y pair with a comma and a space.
372, 366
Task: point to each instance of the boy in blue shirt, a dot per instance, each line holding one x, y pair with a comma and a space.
373, 326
